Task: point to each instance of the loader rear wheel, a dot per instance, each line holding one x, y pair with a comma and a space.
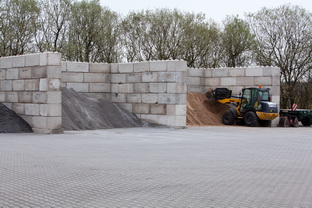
306, 121
228, 117
251, 119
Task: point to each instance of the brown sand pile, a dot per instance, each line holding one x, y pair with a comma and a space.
82, 112
201, 111
10, 122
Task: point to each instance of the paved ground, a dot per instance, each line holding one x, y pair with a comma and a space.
149, 167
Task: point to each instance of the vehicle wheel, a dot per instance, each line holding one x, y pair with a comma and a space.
283, 122
306, 121
265, 123
228, 117
251, 119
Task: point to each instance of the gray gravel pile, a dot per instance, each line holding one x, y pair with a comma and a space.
10, 122
82, 112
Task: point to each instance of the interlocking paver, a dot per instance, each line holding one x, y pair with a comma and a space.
158, 167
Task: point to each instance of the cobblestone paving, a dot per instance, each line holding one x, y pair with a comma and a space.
149, 167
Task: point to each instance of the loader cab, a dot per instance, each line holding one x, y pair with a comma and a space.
253, 98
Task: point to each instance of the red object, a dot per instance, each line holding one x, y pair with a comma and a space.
294, 107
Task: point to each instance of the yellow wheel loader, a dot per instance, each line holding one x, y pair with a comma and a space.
253, 107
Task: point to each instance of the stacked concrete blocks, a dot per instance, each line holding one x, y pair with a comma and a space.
87, 78
30, 85
155, 91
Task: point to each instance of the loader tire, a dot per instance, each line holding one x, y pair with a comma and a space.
228, 118
251, 119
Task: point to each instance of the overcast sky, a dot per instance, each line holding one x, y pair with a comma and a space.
216, 9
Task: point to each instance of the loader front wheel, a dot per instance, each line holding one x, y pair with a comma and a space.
251, 119
228, 117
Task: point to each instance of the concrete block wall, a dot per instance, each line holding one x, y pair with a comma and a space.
155, 91
30, 85
87, 78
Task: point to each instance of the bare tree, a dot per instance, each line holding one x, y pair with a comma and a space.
284, 37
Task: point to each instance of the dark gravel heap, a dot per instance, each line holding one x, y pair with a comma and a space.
10, 122
82, 112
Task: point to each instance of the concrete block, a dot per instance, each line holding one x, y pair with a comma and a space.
157, 66
208, 72
166, 120
125, 88
2, 97
95, 77
18, 85
236, 89
254, 72
39, 122
180, 110
149, 118
126, 68
12, 73
77, 67
141, 87
176, 65
276, 99
25, 97
171, 110
51, 109
180, 76
28, 119
141, 67
245, 81
63, 66
212, 81
100, 87
72, 77
158, 109
276, 81
226, 81
98, 95
158, 87
149, 98
100, 67
2, 74
32, 84
6, 62
39, 72
200, 89
275, 90
237, 72
180, 121
167, 99
19, 108
134, 78
12, 97
50, 59
134, 98
271, 71
194, 81
43, 85
194, 72
8, 105
118, 78
54, 72
114, 88
32, 60
25, 73
149, 76
140, 108
6, 85
39, 97
263, 80
114, 68
220, 72
176, 87
78, 87
118, 98
32, 109
167, 77
181, 98
19, 61
54, 84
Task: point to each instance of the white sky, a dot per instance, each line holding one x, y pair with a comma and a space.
216, 9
